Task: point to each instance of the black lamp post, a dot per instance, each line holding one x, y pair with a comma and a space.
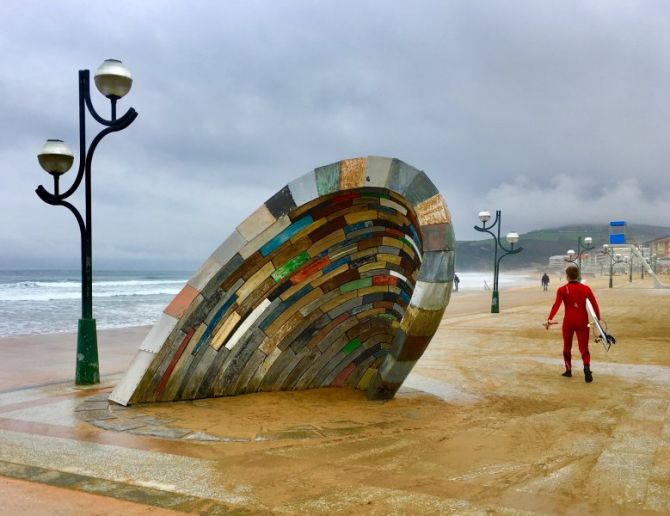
512, 239
113, 80
577, 257
614, 258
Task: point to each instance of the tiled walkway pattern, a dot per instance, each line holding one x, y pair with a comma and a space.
339, 279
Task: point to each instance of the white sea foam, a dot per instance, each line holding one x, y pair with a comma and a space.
484, 280
62, 290
50, 301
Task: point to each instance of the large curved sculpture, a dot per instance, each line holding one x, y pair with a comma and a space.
339, 279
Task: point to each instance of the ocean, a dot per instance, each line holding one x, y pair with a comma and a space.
50, 301
37, 301
484, 280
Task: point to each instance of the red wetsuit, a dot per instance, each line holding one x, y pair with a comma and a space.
574, 295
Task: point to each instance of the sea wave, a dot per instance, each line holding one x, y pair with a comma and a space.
76, 284
33, 302
64, 290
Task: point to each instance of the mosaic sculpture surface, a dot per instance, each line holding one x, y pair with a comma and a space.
339, 279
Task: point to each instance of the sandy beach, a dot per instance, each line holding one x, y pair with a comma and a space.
484, 424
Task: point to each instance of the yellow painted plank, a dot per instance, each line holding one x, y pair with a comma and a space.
372, 290
392, 242
369, 313
391, 258
293, 309
331, 274
365, 379
325, 243
225, 330
338, 301
400, 220
361, 216
372, 266
392, 204
256, 279
364, 252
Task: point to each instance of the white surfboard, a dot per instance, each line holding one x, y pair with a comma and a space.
606, 339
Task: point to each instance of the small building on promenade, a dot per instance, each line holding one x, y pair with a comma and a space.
660, 247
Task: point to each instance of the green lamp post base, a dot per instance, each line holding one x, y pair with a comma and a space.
88, 371
495, 305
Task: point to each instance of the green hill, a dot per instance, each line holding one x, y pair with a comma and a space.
539, 245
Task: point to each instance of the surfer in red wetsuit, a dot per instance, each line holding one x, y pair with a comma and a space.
573, 295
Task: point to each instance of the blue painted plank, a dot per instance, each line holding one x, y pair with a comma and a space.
286, 235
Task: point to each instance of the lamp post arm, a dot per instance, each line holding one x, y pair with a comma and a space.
510, 250
485, 230
46, 196
73, 188
495, 247
495, 221
123, 122
513, 251
586, 249
58, 201
104, 121
85, 159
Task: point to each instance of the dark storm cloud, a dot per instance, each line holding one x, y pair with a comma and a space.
554, 112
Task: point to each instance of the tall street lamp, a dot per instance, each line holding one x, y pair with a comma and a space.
577, 257
512, 239
113, 80
614, 258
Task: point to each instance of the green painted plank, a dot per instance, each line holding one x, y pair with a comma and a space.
351, 346
389, 317
289, 267
378, 195
355, 285
328, 178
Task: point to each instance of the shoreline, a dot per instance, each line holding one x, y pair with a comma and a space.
23, 336
595, 282
131, 326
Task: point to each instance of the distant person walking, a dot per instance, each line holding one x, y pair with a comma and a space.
573, 295
457, 280
545, 281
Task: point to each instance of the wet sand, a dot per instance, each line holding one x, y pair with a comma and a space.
54, 356
485, 423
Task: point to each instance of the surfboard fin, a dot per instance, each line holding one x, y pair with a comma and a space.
607, 343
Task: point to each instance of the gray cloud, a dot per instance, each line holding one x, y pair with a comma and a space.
553, 111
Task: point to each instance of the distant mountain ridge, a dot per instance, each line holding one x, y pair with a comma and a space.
539, 245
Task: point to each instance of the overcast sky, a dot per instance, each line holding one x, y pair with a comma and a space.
555, 112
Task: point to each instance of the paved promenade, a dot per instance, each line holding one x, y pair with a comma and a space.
484, 423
